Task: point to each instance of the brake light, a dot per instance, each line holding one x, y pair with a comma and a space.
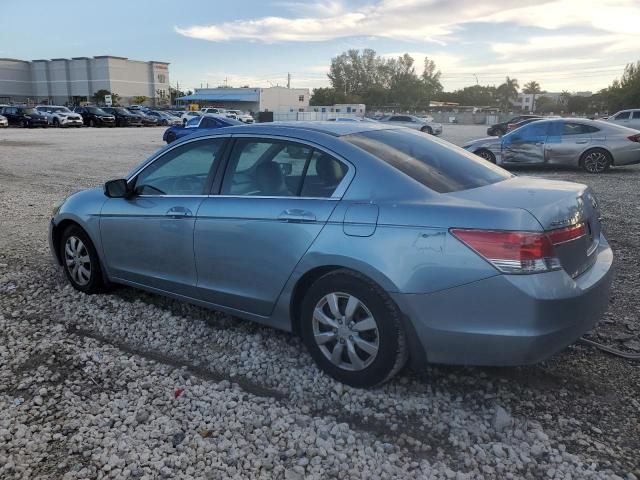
519, 252
511, 252
567, 234
635, 138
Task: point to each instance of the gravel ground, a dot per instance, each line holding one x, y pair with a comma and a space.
132, 385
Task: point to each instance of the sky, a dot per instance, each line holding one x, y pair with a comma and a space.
574, 45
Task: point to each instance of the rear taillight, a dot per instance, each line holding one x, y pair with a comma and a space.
519, 252
510, 126
635, 138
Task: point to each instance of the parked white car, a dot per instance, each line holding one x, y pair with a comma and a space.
60, 116
241, 116
214, 110
414, 122
4, 123
186, 116
627, 118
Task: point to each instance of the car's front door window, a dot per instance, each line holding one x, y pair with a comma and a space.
181, 171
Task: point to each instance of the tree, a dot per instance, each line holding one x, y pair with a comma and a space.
623, 93
98, 97
327, 96
564, 99
532, 87
547, 105
363, 76
476, 95
175, 92
139, 99
507, 92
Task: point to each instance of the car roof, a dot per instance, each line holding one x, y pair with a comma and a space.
335, 129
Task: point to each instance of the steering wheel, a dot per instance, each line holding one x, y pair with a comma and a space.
187, 185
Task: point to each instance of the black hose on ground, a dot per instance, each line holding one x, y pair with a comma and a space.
611, 350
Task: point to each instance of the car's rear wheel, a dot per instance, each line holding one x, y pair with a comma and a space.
56, 122
427, 130
486, 154
92, 122
353, 329
596, 160
171, 137
80, 260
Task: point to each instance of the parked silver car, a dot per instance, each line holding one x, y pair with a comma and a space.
59, 116
627, 118
414, 122
4, 123
593, 145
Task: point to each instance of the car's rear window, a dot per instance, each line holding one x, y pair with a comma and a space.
434, 163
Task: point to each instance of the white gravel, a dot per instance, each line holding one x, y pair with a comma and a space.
132, 385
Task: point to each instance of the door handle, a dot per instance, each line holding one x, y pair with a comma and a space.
582, 141
539, 144
179, 212
297, 215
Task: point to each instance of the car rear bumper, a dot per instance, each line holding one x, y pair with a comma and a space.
510, 320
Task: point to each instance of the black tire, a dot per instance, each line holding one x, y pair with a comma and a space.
486, 155
92, 122
56, 122
392, 352
427, 130
94, 283
24, 124
171, 137
596, 160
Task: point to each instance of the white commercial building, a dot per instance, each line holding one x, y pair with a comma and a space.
72, 81
253, 100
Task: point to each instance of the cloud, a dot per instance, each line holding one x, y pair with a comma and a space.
418, 20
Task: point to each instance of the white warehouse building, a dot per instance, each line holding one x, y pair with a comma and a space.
253, 100
72, 81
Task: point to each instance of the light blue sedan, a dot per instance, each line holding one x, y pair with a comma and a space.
376, 244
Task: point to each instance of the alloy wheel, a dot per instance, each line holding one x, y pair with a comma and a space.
77, 260
345, 331
595, 162
485, 154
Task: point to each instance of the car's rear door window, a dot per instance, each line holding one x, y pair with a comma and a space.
434, 163
623, 116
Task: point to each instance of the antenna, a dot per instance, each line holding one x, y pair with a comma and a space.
288, 80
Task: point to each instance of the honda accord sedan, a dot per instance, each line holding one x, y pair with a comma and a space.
376, 244
592, 145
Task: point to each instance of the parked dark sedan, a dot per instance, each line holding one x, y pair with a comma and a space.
205, 122
26, 117
96, 117
147, 120
124, 118
502, 128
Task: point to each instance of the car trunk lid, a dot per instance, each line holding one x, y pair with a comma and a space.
556, 205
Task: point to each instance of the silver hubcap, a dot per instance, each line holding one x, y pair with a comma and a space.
77, 260
595, 162
345, 331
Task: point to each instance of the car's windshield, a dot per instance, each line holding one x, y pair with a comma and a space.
60, 109
193, 122
28, 111
434, 163
122, 111
96, 111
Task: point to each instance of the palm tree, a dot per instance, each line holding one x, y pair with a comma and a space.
564, 98
508, 91
532, 87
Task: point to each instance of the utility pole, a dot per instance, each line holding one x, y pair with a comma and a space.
288, 80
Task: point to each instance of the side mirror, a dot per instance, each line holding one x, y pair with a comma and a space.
116, 188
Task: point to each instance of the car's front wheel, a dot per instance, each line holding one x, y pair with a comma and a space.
486, 154
427, 130
80, 260
353, 329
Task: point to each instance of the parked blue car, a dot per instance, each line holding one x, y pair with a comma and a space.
376, 244
206, 122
